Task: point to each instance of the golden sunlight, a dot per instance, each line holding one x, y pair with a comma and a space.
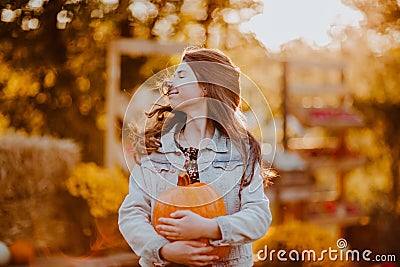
310, 20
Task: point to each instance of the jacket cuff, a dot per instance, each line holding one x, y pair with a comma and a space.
226, 232
155, 251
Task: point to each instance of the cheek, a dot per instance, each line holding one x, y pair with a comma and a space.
191, 91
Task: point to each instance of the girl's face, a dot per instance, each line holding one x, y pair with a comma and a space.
184, 89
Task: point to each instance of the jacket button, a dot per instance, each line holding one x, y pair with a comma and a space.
172, 170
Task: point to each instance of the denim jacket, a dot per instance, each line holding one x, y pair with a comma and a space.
219, 164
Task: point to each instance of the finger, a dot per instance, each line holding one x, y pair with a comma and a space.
173, 235
168, 234
180, 213
196, 263
205, 258
166, 228
168, 221
204, 250
173, 238
196, 244
200, 247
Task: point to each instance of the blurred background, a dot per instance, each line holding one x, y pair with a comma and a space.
329, 70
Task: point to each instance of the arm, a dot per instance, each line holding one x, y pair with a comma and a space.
253, 219
187, 225
135, 225
134, 220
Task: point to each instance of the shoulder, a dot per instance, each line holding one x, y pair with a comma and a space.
155, 162
147, 159
234, 148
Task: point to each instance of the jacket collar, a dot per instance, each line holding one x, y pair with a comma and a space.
218, 143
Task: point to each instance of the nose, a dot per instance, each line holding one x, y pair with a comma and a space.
166, 87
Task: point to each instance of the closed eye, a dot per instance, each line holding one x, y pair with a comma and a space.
181, 74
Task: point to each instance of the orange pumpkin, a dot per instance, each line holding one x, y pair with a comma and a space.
22, 251
200, 198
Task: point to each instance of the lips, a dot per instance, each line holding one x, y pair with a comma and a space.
172, 96
172, 91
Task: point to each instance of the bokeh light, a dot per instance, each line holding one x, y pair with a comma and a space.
143, 10
63, 18
8, 15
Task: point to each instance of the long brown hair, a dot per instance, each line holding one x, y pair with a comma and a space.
221, 82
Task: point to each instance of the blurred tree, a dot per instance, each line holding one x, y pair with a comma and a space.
52, 55
374, 55
380, 15
375, 77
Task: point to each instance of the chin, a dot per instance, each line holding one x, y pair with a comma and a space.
174, 102
173, 105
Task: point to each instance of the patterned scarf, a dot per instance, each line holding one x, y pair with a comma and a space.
191, 154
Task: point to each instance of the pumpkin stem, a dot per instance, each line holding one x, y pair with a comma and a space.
183, 178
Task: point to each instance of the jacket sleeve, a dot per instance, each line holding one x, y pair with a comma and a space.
135, 220
253, 219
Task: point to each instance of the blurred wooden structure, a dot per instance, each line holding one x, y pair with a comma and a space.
117, 102
324, 104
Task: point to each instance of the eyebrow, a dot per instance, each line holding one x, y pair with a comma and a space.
181, 72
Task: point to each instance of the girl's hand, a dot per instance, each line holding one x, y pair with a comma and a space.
192, 253
187, 225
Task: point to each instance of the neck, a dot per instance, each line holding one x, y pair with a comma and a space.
196, 130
